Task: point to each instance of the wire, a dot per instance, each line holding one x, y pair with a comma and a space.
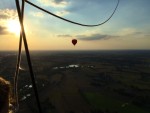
73, 22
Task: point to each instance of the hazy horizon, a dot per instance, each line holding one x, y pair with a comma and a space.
85, 50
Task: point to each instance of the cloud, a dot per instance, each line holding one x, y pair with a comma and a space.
140, 35
3, 30
8, 14
37, 14
147, 35
54, 3
133, 33
137, 33
5, 16
95, 37
89, 37
65, 36
58, 1
62, 13
130, 32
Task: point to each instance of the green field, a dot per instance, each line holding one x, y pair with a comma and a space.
102, 102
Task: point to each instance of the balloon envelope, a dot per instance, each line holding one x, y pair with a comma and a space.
74, 41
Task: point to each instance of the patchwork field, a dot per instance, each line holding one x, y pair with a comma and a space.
84, 82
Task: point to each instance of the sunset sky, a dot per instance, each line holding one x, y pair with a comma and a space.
129, 28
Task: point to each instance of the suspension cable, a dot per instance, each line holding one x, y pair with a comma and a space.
28, 56
73, 22
16, 108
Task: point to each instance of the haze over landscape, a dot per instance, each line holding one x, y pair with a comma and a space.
128, 28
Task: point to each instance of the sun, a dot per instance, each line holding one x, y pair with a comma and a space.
13, 26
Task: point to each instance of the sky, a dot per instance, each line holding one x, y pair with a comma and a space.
128, 29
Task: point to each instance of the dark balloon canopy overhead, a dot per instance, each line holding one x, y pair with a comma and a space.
74, 41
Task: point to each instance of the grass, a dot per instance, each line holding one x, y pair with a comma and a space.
103, 102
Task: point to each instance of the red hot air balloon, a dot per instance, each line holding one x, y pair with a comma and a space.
74, 41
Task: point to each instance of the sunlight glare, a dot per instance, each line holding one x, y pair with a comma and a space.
13, 26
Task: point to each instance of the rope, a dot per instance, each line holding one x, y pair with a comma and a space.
28, 56
18, 64
73, 21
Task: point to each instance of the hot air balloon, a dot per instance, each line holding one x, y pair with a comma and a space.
74, 41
